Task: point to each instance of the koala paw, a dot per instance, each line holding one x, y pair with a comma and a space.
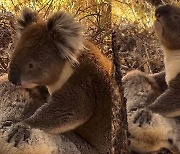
6, 124
134, 109
143, 117
19, 133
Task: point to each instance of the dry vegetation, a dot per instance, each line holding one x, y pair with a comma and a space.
94, 14
137, 44
7, 35
131, 22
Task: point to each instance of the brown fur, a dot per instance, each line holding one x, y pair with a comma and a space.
83, 102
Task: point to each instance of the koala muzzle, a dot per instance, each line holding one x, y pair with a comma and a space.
162, 10
14, 76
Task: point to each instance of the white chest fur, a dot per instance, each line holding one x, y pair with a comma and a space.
63, 77
172, 63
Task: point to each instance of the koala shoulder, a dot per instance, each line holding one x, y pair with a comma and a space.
135, 77
93, 55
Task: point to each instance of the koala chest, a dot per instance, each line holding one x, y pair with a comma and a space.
172, 63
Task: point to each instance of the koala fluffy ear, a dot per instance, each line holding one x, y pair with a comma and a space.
67, 34
28, 17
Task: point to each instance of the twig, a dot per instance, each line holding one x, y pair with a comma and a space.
79, 8
148, 60
44, 6
34, 5
93, 14
93, 6
48, 8
2, 64
13, 3
92, 22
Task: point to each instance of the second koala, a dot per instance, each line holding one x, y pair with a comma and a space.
167, 28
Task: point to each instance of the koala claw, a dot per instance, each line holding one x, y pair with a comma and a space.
134, 109
20, 132
7, 123
142, 117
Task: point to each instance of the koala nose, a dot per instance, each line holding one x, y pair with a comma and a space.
162, 10
14, 76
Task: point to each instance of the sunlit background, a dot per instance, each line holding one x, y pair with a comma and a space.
131, 20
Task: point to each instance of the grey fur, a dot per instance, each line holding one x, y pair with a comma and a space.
13, 102
67, 34
167, 28
141, 90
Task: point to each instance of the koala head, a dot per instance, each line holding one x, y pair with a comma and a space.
167, 26
43, 48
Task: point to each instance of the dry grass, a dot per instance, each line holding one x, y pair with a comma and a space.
138, 49
7, 35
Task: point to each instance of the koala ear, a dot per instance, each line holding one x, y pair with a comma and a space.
28, 17
67, 35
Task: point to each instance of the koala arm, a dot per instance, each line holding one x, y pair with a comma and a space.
66, 110
160, 80
167, 104
39, 96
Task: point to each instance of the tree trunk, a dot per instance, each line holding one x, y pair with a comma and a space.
119, 119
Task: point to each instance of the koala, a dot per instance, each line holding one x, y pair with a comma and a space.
158, 132
167, 28
150, 88
54, 54
17, 104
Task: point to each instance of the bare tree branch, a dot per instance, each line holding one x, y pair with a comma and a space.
48, 8
93, 14
119, 121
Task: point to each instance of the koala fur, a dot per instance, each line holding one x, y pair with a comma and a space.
17, 104
167, 28
53, 53
141, 90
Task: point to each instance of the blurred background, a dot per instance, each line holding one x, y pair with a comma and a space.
130, 20
136, 41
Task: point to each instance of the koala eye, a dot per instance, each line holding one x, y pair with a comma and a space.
30, 65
